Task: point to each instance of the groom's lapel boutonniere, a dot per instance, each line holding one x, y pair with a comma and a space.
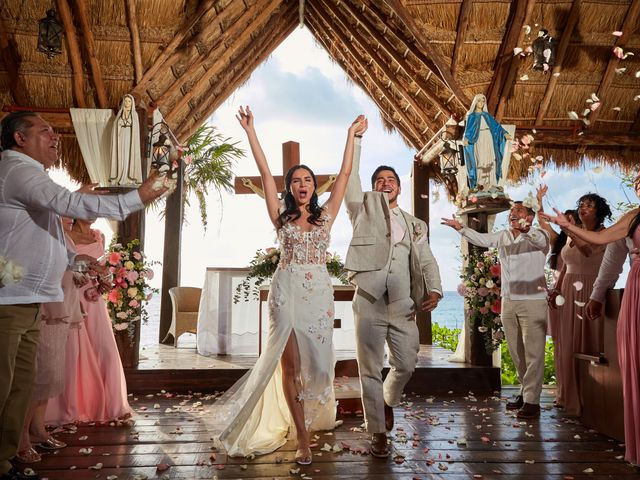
417, 231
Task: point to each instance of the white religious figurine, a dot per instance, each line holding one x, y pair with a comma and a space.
126, 160
487, 148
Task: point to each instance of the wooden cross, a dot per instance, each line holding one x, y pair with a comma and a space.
290, 157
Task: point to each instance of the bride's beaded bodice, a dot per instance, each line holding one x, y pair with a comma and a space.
300, 248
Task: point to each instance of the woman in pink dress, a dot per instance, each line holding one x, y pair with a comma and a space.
96, 388
557, 243
628, 334
83, 396
575, 333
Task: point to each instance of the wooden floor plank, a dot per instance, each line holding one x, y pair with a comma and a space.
450, 437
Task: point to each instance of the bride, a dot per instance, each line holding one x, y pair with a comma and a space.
290, 388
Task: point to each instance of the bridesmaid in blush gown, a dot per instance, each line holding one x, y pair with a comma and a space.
83, 396
290, 388
628, 334
576, 333
108, 389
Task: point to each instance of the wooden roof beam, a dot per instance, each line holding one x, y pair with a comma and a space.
342, 40
12, 64
232, 81
182, 33
235, 29
89, 44
136, 50
572, 21
263, 9
391, 52
514, 65
505, 53
73, 51
319, 33
629, 26
426, 47
463, 24
355, 76
349, 30
591, 139
416, 52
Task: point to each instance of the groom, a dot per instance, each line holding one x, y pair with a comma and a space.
391, 264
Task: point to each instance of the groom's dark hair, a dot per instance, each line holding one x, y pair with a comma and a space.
382, 168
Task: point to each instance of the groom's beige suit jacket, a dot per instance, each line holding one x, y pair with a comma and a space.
370, 246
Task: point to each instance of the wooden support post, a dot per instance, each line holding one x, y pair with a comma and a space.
477, 353
421, 210
75, 57
133, 228
171, 255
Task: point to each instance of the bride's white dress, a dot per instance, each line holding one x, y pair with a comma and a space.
253, 415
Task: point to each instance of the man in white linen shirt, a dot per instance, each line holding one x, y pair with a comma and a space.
610, 269
31, 236
522, 252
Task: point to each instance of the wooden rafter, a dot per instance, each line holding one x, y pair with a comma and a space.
379, 63
410, 47
12, 64
199, 64
89, 44
636, 123
132, 19
73, 49
233, 80
316, 29
588, 139
179, 37
398, 59
505, 53
355, 56
514, 64
629, 26
398, 9
222, 55
461, 33
572, 21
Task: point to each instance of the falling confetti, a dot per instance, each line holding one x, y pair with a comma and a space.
574, 116
618, 52
517, 51
524, 78
621, 70
578, 285
560, 300
617, 33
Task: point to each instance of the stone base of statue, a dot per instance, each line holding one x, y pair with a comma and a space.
490, 202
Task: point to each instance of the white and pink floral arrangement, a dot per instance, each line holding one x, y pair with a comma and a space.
130, 289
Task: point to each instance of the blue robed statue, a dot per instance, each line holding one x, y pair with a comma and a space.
486, 146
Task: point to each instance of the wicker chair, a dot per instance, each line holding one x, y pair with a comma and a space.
185, 301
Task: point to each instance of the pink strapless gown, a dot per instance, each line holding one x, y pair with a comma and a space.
99, 390
628, 335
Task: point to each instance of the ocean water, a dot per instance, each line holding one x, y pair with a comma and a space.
450, 312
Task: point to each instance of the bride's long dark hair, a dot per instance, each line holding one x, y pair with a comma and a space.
291, 210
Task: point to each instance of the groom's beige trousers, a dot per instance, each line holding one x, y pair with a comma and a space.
377, 322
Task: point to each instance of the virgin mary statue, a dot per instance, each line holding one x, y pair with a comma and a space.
126, 164
486, 146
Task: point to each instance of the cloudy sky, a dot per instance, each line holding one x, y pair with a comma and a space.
299, 94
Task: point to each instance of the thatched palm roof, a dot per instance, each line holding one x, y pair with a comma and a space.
420, 61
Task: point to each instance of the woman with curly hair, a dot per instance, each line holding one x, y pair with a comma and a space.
628, 332
575, 333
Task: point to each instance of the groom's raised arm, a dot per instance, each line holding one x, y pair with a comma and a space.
354, 196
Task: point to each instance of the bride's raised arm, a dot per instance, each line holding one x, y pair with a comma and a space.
615, 232
358, 127
245, 117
